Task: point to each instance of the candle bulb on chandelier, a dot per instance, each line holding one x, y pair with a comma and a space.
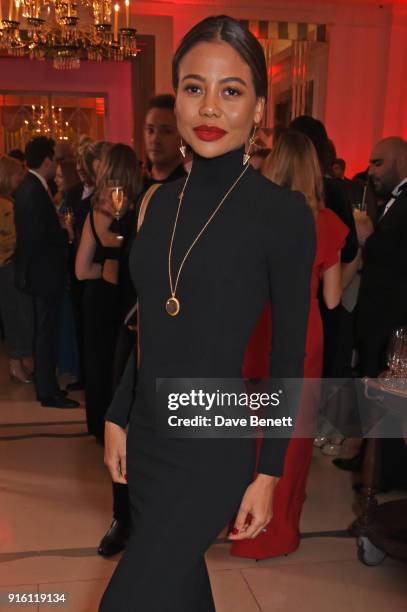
116, 23
17, 10
127, 3
10, 10
69, 8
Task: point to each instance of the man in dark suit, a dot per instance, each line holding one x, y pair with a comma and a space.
41, 265
382, 304
383, 292
79, 198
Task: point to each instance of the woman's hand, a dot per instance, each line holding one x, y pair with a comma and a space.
115, 452
105, 204
257, 502
67, 224
110, 239
364, 226
103, 221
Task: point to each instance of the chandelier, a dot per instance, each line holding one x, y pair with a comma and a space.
42, 122
66, 31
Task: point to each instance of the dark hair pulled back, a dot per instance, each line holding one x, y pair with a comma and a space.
226, 29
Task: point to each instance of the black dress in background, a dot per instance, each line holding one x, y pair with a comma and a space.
104, 307
127, 343
184, 491
338, 323
80, 208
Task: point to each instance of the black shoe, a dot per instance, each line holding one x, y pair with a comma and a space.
115, 539
78, 385
59, 393
354, 464
56, 401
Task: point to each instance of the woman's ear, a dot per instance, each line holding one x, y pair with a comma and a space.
259, 110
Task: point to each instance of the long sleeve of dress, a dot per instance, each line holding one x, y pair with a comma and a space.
290, 283
123, 399
337, 200
120, 407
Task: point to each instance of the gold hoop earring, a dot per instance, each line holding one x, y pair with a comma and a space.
246, 156
183, 149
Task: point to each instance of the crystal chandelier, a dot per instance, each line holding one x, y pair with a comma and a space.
43, 122
66, 31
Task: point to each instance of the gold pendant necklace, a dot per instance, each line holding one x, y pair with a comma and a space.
172, 305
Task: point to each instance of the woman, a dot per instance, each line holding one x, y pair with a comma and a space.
194, 322
15, 306
98, 262
338, 323
87, 164
66, 178
293, 163
79, 199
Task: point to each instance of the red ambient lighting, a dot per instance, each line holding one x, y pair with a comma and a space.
100, 106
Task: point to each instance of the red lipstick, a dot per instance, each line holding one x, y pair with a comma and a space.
209, 133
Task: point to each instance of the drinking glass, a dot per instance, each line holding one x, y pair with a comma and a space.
397, 359
68, 215
117, 199
403, 362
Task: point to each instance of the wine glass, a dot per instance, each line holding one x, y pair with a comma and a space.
68, 215
68, 218
403, 360
397, 357
117, 199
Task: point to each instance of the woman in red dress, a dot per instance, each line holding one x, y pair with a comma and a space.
293, 163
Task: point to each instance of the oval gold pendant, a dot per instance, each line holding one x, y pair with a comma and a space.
172, 306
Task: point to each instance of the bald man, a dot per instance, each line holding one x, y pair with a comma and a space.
383, 293
382, 304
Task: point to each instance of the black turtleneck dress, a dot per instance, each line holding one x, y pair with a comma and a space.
259, 246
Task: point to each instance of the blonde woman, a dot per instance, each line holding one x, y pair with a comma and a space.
98, 262
15, 306
293, 163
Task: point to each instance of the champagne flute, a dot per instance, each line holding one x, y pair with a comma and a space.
68, 215
117, 198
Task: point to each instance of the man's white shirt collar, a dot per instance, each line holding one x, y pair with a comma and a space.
395, 194
87, 191
397, 190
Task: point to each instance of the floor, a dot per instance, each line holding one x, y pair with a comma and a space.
55, 505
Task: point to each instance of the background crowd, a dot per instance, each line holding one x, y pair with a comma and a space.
67, 301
